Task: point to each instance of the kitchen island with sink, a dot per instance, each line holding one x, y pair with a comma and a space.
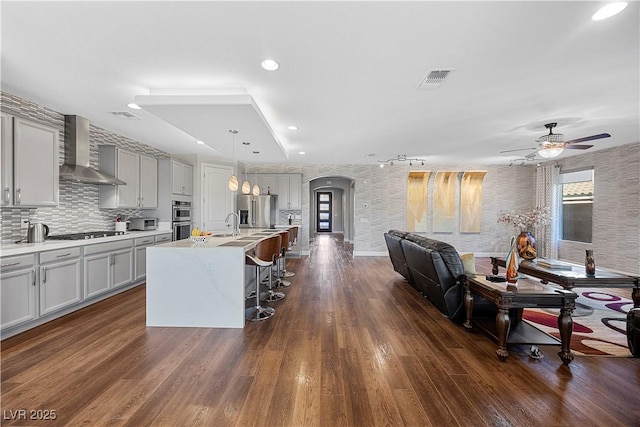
201, 284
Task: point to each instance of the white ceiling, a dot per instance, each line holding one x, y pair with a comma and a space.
348, 77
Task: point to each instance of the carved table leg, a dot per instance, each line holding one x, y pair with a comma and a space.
633, 323
565, 325
633, 331
503, 324
468, 306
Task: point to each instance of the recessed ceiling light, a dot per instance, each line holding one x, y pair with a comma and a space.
609, 10
134, 106
302, 152
270, 65
199, 142
293, 127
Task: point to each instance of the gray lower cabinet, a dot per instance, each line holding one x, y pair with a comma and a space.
38, 287
60, 279
97, 272
141, 245
18, 290
107, 266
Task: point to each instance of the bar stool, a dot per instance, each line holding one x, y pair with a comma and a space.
273, 255
284, 245
293, 236
262, 257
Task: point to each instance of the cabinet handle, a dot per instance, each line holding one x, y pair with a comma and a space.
7, 195
63, 255
10, 264
18, 196
44, 275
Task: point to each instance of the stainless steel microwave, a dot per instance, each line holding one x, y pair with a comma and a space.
143, 223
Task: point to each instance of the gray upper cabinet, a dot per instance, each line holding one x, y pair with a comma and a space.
148, 182
268, 183
181, 178
295, 191
138, 171
6, 130
287, 186
30, 165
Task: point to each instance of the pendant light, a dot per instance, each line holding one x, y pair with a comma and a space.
246, 185
256, 188
233, 180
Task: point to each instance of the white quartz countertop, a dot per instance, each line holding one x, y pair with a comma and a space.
247, 239
9, 249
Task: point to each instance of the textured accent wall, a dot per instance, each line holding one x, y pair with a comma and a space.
78, 208
384, 192
616, 209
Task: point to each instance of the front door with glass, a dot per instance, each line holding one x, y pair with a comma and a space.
324, 212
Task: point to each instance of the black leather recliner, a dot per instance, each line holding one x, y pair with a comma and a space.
393, 239
436, 271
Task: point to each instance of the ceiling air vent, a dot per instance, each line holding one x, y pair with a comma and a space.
434, 78
125, 115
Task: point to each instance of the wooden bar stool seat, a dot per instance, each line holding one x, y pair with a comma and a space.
262, 257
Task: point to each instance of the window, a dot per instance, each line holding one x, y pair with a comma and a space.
577, 205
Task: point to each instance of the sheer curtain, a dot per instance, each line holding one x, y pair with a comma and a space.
548, 194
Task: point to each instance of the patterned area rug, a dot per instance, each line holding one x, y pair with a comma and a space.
599, 323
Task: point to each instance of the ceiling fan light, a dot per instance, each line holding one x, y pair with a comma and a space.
550, 152
233, 183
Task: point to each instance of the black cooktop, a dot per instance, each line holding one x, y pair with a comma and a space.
85, 235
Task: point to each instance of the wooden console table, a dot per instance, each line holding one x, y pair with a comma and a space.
527, 294
576, 277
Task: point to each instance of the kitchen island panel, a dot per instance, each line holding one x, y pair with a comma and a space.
196, 286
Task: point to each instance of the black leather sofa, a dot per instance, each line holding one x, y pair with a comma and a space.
432, 267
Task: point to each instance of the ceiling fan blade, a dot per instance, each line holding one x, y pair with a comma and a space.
578, 147
519, 149
588, 138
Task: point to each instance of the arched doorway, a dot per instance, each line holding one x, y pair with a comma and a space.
339, 192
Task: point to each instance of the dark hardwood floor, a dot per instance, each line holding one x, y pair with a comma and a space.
351, 344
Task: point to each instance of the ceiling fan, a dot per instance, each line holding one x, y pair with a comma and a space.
553, 144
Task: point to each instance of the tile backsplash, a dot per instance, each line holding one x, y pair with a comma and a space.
78, 202
296, 216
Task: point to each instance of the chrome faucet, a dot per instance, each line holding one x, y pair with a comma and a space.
236, 225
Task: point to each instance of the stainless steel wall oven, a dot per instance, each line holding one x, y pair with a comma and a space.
181, 220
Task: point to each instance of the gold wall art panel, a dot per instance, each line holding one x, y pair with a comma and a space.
444, 202
471, 201
417, 192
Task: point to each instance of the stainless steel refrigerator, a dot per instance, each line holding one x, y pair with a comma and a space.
257, 211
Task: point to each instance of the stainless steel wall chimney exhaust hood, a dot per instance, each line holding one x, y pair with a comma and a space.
76, 155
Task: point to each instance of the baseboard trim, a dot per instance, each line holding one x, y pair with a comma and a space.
370, 253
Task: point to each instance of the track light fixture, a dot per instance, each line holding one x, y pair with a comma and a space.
401, 158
